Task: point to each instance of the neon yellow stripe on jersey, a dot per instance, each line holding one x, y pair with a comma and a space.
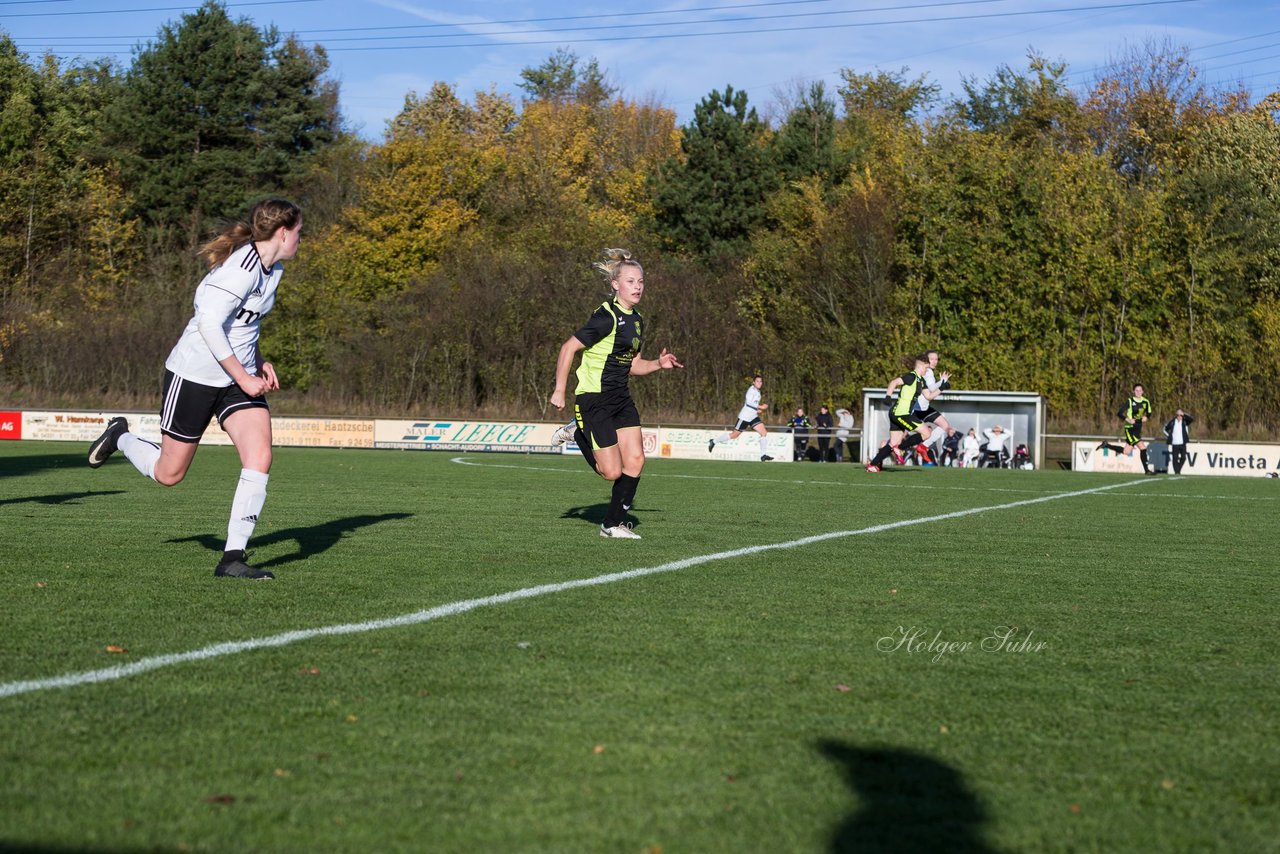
594, 358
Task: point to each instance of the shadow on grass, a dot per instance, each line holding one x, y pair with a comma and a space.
908, 802
594, 513
311, 541
18, 465
59, 497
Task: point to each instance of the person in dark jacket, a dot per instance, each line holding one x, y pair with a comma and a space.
1177, 431
800, 427
951, 447
826, 426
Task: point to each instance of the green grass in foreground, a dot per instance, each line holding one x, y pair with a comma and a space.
754, 703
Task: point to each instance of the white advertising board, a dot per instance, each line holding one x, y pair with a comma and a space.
320, 432
87, 426
684, 443
1087, 456
443, 435
1217, 458
84, 426
1205, 458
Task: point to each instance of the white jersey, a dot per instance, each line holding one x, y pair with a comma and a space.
229, 305
931, 383
750, 406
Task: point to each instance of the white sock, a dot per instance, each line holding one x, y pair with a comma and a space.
251, 494
764, 445
723, 437
140, 452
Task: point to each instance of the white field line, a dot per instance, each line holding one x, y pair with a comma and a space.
889, 482
122, 671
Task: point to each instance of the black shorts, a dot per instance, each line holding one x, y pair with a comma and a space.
188, 406
602, 414
1132, 434
928, 416
744, 426
905, 423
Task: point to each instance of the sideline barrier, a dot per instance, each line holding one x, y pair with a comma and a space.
81, 426
689, 443
442, 435
410, 434
1204, 458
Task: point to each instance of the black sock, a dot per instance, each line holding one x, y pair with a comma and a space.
227, 557
910, 442
613, 516
584, 445
1119, 449
881, 456
1142, 455
629, 491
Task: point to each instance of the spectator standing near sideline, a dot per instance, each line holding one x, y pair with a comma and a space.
970, 449
217, 370
800, 427
748, 419
825, 428
606, 423
1177, 432
1134, 412
844, 428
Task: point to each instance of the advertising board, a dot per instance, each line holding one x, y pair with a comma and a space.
442, 435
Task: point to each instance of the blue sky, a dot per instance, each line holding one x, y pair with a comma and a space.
674, 53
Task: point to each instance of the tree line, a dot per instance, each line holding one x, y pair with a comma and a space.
1068, 241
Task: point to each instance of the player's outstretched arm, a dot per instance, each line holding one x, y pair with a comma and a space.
665, 362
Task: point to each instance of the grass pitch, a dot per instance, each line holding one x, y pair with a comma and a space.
1088, 664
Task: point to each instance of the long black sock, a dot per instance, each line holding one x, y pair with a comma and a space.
910, 442
1146, 463
1119, 449
613, 516
584, 445
629, 491
881, 456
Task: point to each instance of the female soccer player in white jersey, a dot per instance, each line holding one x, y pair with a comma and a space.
748, 419
216, 370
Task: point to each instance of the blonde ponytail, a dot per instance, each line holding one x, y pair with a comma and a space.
615, 260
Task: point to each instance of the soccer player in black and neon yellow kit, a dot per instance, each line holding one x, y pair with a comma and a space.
904, 419
1135, 412
608, 423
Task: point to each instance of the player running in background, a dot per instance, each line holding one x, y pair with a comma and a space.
216, 370
924, 407
903, 418
748, 419
1134, 412
606, 422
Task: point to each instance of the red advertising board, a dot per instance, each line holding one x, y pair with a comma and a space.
10, 425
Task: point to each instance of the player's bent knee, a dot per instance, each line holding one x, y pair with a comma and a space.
169, 478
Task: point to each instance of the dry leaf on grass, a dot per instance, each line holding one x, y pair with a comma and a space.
116, 649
